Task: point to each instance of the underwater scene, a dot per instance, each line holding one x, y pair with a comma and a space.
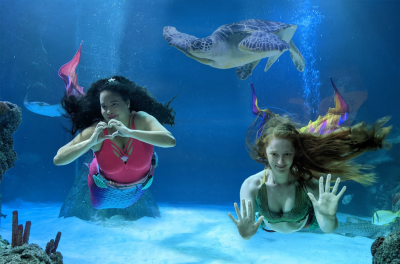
240, 131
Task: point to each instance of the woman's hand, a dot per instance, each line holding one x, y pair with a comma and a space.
327, 203
122, 130
245, 223
98, 134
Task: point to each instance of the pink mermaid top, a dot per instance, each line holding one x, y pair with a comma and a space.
125, 168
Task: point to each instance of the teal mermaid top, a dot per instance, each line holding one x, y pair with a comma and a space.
302, 207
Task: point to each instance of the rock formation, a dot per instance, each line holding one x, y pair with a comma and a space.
386, 249
20, 251
10, 119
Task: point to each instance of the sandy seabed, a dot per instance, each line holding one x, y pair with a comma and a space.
183, 234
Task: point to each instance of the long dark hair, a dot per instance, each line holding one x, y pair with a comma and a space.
85, 110
317, 155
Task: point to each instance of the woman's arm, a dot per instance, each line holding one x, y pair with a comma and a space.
149, 130
325, 203
84, 141
328, 224
246, 224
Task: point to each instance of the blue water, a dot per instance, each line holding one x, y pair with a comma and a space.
355, 42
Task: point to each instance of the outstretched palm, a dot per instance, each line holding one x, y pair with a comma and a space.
327, 203
245, 223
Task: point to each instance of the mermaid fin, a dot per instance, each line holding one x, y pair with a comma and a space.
331, 121
70, 77
99, 181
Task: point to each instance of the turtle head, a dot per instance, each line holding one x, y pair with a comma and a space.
202, 47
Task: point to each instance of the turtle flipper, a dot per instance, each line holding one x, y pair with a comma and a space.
271, 61
263, 42
296, 57
244, 71
182, 42
177, 39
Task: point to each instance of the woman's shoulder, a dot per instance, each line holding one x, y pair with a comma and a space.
253, 182
143, 119
141, 114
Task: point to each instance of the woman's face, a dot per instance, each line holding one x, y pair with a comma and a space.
113, 107
280, 154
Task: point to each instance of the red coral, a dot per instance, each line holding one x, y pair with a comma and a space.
51, 247
27, 232
58, 237
14, 238
18, 237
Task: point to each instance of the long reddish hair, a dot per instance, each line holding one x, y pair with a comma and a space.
317, 155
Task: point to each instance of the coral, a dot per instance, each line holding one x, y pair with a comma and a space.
377, 243
3, 108
10, 119
28, 253
51, 247
25, 239
14, 239
58, 237
18, 237
20, 251
3, 243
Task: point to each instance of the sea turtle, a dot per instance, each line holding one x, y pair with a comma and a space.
242, 45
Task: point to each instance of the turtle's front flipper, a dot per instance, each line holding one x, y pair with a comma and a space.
296, 57
244, 71
177, 39
262, 42
182, 42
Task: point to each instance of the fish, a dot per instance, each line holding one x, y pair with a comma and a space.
70, 77
383, 217
356, 227
347, 199
42, 108
2, 215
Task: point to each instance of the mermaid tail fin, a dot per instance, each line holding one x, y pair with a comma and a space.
331, 121
70, 77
